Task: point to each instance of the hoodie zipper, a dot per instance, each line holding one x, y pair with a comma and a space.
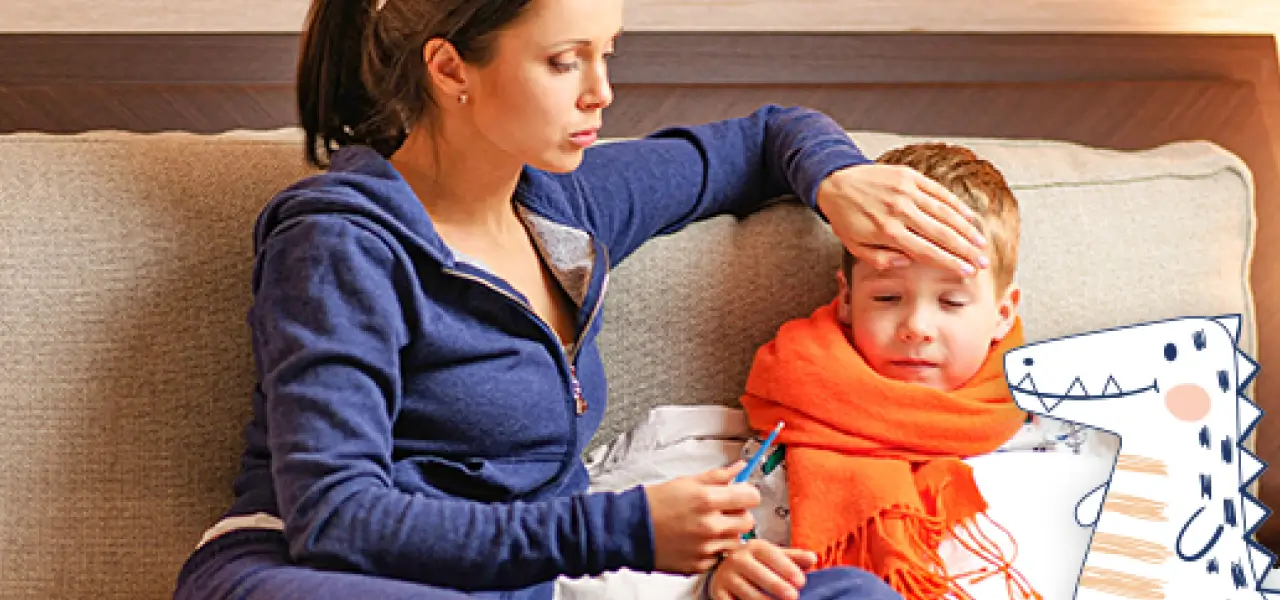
579, 403
579, 400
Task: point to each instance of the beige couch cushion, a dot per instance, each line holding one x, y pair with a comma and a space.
124, 280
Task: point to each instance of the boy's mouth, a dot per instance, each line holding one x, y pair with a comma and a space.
914, 363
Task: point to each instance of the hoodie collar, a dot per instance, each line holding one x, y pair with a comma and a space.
366, 177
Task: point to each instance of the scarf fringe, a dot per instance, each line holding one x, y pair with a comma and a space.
970, 536
918, 571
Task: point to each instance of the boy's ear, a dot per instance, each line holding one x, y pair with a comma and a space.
844, 312
1007, 308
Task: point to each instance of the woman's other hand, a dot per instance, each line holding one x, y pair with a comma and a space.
887, 215
697, 517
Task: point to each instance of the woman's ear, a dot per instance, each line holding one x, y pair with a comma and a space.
1007, 309
445, 68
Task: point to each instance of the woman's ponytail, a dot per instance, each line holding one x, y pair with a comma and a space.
334, 103
361, 76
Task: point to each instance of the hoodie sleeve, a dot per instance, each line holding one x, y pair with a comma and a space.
656, 185
328, 326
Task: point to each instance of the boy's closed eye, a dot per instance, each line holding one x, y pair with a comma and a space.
946, 301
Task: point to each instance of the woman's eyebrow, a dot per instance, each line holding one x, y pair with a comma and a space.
582, 41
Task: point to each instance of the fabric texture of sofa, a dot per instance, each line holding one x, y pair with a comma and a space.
124, 282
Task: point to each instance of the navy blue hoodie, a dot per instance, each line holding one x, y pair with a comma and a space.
414, 418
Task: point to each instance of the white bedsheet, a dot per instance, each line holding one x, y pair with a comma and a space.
1032, 494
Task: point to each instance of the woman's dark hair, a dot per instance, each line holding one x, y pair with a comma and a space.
361, 74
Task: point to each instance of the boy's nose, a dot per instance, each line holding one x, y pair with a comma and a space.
915, 328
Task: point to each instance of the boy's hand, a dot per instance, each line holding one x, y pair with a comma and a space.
759, 570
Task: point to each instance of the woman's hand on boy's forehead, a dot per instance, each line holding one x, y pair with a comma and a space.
888, 215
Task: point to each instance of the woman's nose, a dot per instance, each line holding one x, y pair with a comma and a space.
598, 94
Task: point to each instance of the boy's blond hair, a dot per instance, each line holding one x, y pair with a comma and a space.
977, 183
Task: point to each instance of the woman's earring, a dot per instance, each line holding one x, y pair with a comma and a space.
462, 98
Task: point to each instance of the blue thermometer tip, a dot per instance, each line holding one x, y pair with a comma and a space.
745, 473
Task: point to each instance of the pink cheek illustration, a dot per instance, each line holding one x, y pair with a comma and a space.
1188, 402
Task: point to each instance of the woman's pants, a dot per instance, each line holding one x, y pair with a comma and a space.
254, 565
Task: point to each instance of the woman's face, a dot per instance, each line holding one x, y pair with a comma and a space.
541, 97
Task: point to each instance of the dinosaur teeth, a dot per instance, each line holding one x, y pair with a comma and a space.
1077, 389
1246, 368
1112, 387
1269, 585
1250, 466
1027, 382
1026, 395
1253, 511
1249, 415
1261, 559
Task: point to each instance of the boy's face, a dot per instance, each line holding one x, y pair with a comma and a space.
924, 325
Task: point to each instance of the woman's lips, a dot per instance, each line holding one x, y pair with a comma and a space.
584, 138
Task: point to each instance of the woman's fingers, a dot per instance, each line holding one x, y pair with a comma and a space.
945, 210
938, 191
898, 246
732, 498
880, 257
943, 241
938, 220
721, 475
727, 528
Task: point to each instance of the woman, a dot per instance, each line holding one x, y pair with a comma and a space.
424, 312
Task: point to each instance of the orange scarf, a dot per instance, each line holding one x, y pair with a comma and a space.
873, 464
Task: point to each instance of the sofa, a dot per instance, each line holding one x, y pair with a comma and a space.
124, 284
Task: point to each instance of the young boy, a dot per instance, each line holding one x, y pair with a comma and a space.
883, 392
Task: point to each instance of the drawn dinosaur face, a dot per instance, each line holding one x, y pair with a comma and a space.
1126, 380
1172, 391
